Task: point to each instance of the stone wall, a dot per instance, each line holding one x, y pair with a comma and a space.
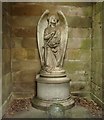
97, 86
25, 58
0, 57
6, 53
103, 53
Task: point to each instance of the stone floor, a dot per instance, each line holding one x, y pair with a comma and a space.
75, 112
22, 109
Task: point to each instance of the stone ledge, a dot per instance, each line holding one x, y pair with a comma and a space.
6, 103
44, 104
80, 93
97, 100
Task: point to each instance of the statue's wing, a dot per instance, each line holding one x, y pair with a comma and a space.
42, 24
64, 34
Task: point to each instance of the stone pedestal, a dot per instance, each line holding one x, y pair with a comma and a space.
52, 90
52, 82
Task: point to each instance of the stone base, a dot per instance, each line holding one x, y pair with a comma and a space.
44, 104
52, 90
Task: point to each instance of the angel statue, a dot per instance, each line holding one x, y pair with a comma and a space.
52, 39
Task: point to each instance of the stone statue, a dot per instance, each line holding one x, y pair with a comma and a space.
52, 80
52, 50
52, 40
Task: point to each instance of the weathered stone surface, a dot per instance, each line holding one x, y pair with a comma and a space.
19, 54
31, 54
77, 21
27, 10
22, 95
41, 7
1, 70
77, 76
98, 7
102, 55
23, 42
97, 43
23, 54
78, 54
72, 54
97, 74
102, 13
97, 40
19, 65
29, 42
6, 29
96, 64
76, 43
87, 11
16, 42
97, 90
37, 55
16, 66
6, 55
86, 44
24, 81
24, 87
6, 18
0, 39
6, 67
97, 78
85, 55
26, 76
6, 44
24, 32
80, 93
77, 4
73, 66
25, 21
76, 11
6, 86
97, 55
98, 17
97, 34
103, 74
77, 86
16, 75
6, 7
80, 32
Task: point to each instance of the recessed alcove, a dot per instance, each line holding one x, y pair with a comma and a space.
84, 55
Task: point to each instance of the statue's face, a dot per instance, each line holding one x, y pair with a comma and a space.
53, 19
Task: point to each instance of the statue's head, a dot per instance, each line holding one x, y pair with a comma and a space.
52, 20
